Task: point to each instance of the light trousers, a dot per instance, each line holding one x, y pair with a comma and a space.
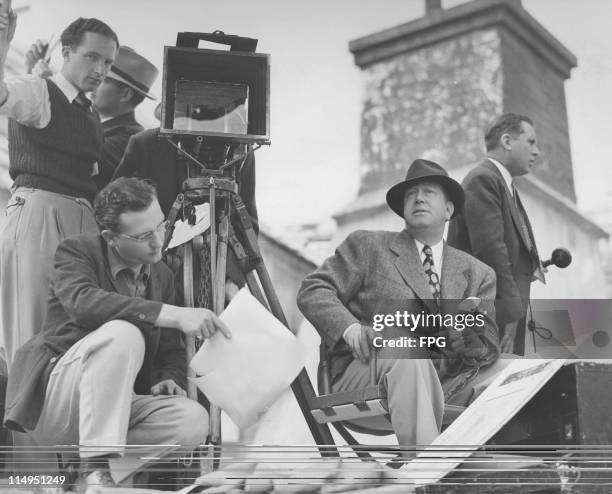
90, 400
415, 396
36, 221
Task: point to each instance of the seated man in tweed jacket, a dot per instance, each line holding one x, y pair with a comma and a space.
377, 273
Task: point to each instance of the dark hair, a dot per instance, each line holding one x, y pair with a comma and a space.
508, 123
121, 196
136, 98
73, 34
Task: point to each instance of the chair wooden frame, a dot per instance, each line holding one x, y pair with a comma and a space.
338, 409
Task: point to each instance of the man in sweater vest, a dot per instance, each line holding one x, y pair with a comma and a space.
55, 141
127, 84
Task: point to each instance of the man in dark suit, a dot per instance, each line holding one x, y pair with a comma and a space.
109, 367
374, 273
129, 81
494, 226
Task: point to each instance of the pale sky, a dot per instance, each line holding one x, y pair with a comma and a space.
311, 169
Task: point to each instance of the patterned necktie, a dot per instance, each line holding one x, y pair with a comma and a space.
82, 101
432, 277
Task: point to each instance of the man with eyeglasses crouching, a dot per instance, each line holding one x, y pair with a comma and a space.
109, 367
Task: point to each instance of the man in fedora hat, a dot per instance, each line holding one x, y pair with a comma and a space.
374, 274
128, 82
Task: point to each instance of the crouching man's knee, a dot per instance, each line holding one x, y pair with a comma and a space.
191, 423
124, 337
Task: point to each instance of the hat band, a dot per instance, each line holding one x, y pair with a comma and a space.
130, 79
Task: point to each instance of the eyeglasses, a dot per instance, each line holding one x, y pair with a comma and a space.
145, 237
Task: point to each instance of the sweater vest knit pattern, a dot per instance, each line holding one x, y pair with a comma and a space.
58, 158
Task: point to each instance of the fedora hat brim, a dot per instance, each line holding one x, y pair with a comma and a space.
117, 77
395, 195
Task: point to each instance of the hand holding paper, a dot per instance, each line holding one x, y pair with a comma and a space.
244, 375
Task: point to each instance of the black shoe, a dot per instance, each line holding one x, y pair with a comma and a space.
94, 473
96, 478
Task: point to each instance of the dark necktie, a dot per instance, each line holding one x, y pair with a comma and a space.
524, 227
432, 277
528, 233
82, 101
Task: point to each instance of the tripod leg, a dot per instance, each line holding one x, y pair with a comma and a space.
243, 262
189, 301
190, 341
214, 440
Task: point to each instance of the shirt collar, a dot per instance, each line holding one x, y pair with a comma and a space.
504, 172
65, 86
117, 264
436, 251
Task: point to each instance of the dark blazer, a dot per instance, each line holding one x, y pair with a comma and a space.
83, 296
377, 272
117, 133
489, 228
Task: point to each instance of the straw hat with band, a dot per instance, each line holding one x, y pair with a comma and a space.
133, 70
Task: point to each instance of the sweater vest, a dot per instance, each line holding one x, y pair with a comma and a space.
60, 157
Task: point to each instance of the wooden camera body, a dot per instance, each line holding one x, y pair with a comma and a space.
217, 94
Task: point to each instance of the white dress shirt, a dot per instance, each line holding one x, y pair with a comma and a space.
505, 174
28, 99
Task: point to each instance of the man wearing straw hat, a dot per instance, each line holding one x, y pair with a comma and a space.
127, 84
413, 272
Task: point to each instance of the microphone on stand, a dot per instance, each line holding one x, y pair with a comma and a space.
560, 257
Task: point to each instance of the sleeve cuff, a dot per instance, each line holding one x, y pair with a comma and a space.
349, 328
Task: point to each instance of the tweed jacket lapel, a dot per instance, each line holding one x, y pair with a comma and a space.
409, 266
454, 280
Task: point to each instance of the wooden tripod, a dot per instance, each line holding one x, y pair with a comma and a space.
232, 227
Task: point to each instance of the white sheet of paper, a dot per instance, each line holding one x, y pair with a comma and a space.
498, 403
244, 375
184, 232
